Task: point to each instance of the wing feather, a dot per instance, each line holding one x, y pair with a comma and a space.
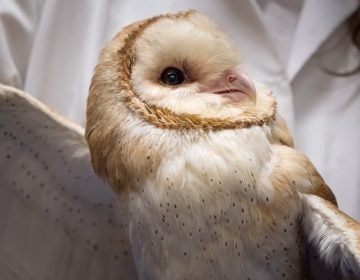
280, 133
294, 169
333, 236
57, 219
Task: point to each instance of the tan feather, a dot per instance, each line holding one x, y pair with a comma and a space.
292, 168
280, 132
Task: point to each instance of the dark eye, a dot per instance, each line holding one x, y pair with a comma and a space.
172, 76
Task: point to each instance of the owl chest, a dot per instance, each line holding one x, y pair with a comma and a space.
209, 221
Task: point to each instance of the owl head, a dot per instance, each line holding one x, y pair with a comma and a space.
175, 72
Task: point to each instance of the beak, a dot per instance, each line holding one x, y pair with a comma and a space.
233, 85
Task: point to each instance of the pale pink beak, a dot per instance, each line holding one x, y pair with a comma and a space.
233, 85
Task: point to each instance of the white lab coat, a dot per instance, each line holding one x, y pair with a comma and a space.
49, 49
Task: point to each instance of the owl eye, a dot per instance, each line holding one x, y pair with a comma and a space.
172, 76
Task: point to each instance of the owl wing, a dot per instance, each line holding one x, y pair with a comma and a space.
333, 237
280, 133
292, 168
57, 220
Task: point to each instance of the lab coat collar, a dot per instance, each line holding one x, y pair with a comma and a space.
318, 19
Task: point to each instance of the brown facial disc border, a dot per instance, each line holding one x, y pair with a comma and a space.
162, 117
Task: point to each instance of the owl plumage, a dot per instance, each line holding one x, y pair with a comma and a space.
203, 165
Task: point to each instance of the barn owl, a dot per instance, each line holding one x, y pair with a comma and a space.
203, 166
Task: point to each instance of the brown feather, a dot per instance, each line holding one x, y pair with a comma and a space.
292, 168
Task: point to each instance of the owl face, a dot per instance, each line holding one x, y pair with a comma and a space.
176, 71
188, 66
